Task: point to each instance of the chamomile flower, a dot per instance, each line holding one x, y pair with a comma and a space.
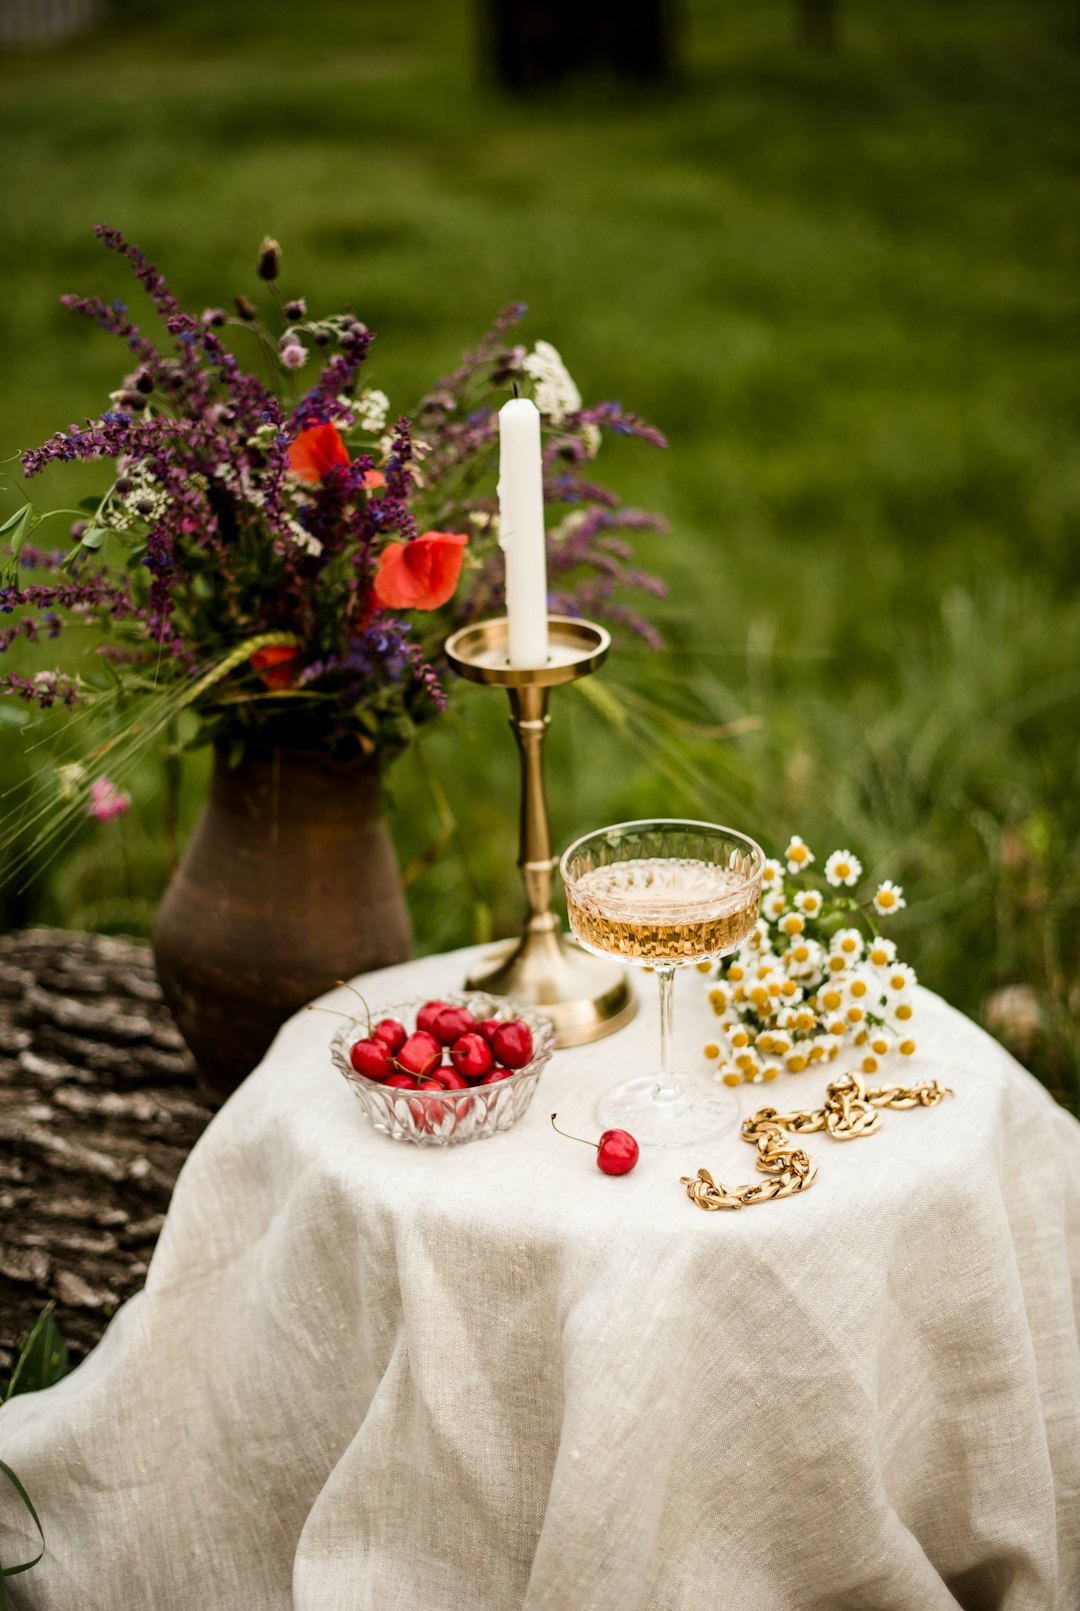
843, 868
899, 977
798, 855
831, 997
808, 902
774, 905
889, 899
772, 877
847, 943
881, 952
805, 960
792, 923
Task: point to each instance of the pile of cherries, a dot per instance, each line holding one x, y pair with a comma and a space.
477, 1051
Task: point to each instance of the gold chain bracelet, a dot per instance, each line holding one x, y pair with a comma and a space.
849, 1110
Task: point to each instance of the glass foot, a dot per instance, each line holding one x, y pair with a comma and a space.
668, 1115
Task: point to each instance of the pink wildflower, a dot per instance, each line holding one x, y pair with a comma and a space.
107, 801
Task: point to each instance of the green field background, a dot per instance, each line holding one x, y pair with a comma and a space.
846, 286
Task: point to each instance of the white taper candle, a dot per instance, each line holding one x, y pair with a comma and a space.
521, 531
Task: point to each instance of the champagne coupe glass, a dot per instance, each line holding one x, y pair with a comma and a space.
664, 894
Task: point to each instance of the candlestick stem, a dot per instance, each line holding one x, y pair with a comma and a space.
530, 720
583, 995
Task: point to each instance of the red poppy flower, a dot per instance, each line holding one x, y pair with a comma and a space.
419, 575
315, 451
277, 666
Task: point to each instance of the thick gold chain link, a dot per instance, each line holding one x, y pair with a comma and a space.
849, 1111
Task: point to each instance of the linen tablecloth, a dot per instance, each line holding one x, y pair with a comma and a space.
365, 1376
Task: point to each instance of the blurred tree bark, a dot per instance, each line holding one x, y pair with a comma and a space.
817, 24
535, 44
97, 1113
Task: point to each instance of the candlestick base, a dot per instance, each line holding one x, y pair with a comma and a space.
583, 996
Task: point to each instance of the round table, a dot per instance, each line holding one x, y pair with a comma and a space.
365, 1376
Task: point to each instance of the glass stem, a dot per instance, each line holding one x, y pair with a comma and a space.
666, 1087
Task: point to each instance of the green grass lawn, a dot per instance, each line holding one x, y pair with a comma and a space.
846, 288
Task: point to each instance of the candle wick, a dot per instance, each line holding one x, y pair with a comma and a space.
515, 385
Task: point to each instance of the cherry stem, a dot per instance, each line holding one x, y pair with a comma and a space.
333, 1013
569, 1137
343, 984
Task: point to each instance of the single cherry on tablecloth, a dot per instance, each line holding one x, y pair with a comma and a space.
616, 1151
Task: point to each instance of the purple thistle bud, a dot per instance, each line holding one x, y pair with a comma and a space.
245, 308
269, 265
296, 308
214, 317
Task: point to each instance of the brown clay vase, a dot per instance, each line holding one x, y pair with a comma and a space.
289, 882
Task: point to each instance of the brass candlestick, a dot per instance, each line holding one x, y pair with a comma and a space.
584, 996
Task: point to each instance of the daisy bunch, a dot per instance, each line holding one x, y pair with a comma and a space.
816, 976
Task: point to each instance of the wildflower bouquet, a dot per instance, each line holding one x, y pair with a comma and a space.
274, 550
810, 980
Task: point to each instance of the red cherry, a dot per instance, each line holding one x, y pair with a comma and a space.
391, 1032
447, 1078
616, 1151
488, 1027
512, 1043
425, 1018
371, 1059
420, 1055
401, 1082
471, 1055
452, 1023
494, 1075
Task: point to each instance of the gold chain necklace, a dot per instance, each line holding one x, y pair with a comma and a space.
849, 1110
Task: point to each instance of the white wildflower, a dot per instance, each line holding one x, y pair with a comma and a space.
889, 899
808, 902
847, 943
798, 855
303, 539
843, 868
881, 952
555, 393
372, 408
772, 877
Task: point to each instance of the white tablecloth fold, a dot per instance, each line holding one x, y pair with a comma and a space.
369, 1377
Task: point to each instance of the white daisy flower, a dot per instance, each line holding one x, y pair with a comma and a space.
808, 902
899, 977
807, 959
798, 855
831, 997
881, 952
773, 875
555, 394
843, 868
889, 899
847, 943
774, 905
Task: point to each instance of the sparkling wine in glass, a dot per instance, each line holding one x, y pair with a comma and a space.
662, 895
